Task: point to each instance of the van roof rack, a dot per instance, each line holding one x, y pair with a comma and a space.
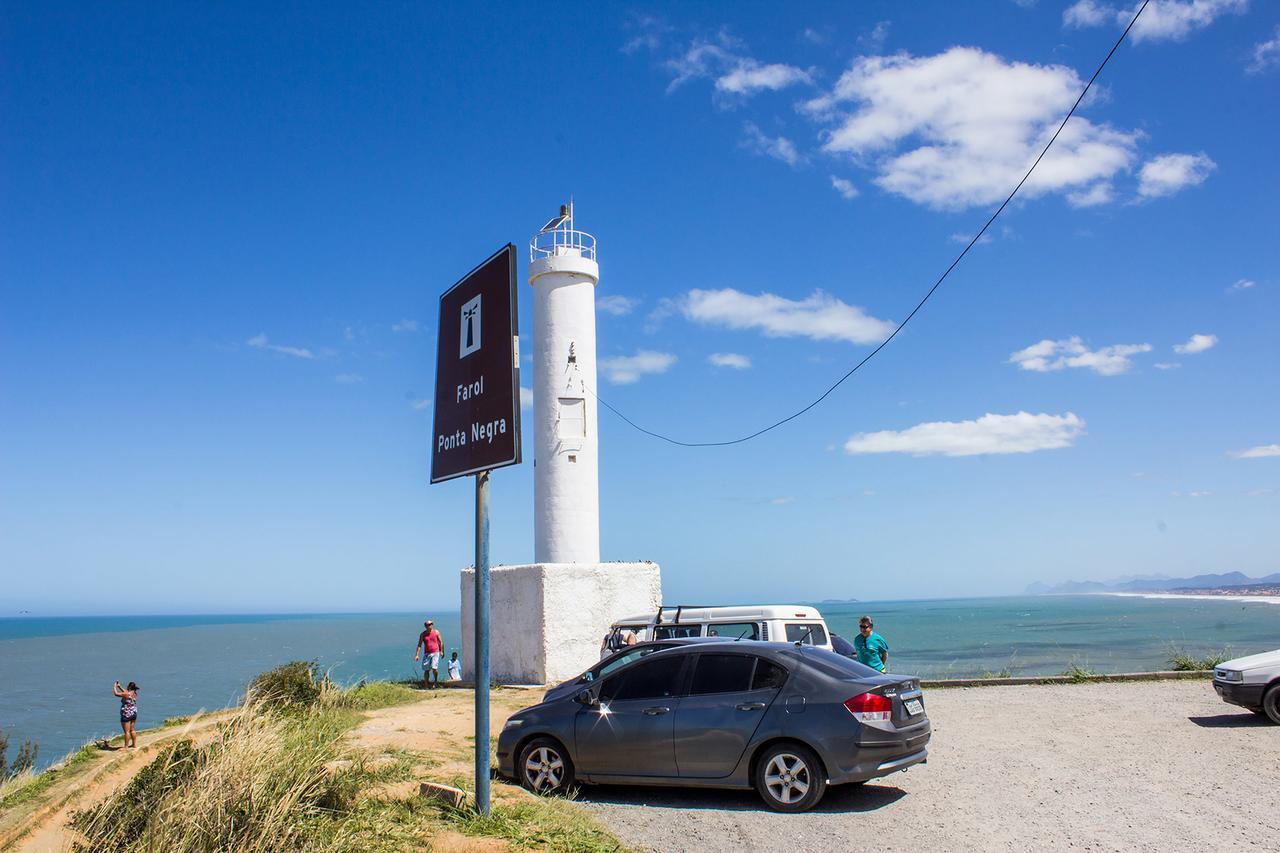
678, 608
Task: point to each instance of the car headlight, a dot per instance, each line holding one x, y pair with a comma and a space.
1231, 675
513, 723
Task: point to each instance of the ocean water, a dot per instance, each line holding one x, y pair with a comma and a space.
57, 673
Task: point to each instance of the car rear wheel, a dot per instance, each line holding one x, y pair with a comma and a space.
544, 767
1271, 704
789, 778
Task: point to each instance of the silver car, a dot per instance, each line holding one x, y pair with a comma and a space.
787, 720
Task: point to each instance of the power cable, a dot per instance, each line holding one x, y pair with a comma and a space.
973, 242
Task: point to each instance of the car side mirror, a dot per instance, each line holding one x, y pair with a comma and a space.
585, 697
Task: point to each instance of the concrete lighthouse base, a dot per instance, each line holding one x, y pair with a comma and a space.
547, 619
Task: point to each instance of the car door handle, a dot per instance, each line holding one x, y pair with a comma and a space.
656, 712
751, 706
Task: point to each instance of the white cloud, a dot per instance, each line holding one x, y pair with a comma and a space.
963, 239
526, 397
1100, 193
420, 405
1262, 451
1166, 365
1195, 344
818, 316
625, 369
1087, 13
729, 359
751, 77
406, 326
736, 75
260, 342
1194, 494
616, 305
1168, 173
1163, 19
777, 147
1050, 355
783, 501
1266, 54
845, 187
348, 378
1242, 284
989, 434
960, 128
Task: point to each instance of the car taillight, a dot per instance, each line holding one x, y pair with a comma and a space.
870, 707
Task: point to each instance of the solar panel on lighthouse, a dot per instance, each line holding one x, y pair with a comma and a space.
477, 402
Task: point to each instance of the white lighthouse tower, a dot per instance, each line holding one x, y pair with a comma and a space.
564, 274
547, 618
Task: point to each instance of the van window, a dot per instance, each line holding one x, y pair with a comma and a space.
734, 630
722, 674
798, 630
650, 679
667, 632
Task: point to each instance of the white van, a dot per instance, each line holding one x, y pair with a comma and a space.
783, 623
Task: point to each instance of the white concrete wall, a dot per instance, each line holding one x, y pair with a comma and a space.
547, 619
566, 468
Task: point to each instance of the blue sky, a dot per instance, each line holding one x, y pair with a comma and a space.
225, 231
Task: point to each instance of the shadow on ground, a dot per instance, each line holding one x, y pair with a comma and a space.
1230, 721
839, 799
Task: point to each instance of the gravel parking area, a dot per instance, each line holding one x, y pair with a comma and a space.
1134, 766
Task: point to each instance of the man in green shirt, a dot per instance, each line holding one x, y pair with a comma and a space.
871, 648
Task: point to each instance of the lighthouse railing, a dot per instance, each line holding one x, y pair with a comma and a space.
562, 241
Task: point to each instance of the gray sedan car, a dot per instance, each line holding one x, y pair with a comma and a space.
783, 719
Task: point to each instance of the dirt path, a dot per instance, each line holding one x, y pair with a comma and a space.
44, 825
441, 727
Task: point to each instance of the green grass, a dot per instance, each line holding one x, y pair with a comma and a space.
1004, 673
279, 775
544, 823
1079, 672
26, 788
1183, 661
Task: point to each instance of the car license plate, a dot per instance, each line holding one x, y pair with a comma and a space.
914, 707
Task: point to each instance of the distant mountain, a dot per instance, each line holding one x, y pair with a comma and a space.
1152, 583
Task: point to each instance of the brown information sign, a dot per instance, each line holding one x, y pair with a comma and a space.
477, 406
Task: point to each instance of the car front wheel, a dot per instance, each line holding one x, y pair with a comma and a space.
1271, 704
789, 778
545, 767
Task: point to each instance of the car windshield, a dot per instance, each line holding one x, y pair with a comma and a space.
618, 660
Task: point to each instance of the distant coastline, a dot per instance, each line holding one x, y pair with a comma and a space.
1212, 596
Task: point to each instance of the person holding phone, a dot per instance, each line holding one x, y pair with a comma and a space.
128, 712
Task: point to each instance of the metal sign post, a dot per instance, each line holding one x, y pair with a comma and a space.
482, 642
477, 429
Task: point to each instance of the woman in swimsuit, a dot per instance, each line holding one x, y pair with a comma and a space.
128, 712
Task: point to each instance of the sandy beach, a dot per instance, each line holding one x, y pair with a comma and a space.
1264, 599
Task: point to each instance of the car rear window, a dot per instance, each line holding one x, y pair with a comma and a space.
811, 633
722, 674
831, 664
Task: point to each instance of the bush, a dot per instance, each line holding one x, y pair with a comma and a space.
1183, 661
120, 822
23, 762
1078, 672
295, 685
